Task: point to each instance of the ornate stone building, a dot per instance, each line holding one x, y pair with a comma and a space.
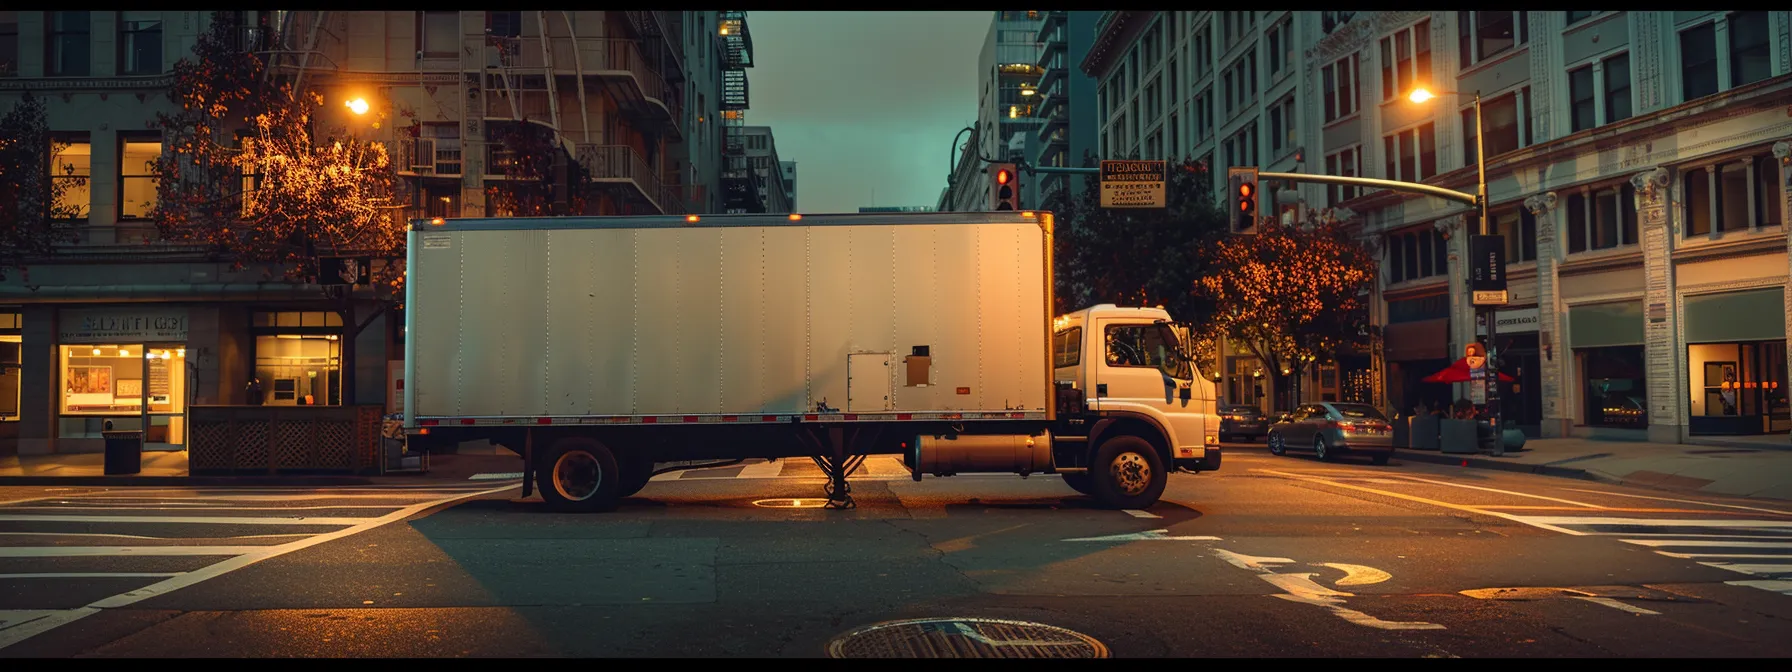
1637, 168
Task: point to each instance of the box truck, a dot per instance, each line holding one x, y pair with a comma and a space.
599, 347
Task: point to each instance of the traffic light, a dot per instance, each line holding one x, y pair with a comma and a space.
1004, 187
1243, 191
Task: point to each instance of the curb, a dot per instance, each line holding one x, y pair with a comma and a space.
1495, 464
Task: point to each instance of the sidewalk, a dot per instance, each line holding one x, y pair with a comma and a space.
1759, 469
170, 468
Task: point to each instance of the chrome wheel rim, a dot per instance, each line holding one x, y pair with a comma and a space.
1319, 447
1131, 472
1275, 444
577, 475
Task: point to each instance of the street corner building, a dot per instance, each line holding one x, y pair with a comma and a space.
1637, 168
123, 331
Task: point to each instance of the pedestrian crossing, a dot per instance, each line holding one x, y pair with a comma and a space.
65, 556
1760, 548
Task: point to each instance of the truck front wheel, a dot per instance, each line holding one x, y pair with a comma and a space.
579, 475
1128, 473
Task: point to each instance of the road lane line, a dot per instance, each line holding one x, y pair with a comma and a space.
1498, 490
1141, 514
55, 619
1727, 556
1685, 501
762, 470
1620, 606
1664, 543
1774, 569
1782, 587
185, 520
206, 507
92, 575
1658, 522
120, 551
139, 536
1433, 502
1616, 510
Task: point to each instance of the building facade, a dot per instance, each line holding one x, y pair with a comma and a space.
761, 157
1008, 76
1066, 110
123, 331
1637, 168
789, 168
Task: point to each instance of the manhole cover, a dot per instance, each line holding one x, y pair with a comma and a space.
964, 638
791, 503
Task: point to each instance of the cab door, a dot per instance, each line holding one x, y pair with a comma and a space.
1140, 372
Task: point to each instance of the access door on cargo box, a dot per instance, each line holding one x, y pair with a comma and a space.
869, 378
1139, 372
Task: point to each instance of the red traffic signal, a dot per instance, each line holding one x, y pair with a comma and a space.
1004, 190
1244, 184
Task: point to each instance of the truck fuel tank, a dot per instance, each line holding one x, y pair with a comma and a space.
980, 453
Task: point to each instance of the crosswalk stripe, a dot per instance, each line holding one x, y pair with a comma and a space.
126, 551
1735, 556
92, 575
1706, 543
1652, 522
1770, 570
185, 520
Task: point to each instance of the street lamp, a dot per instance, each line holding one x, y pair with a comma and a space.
357, 105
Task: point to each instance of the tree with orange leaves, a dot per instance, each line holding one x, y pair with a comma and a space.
1292, 295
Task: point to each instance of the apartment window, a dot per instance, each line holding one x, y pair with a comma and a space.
1735, 195
1406, 60
1250, 74
137, 174
1203, 119
139, 43
1340, 88
1581, 107
1507, 129
1175, 84
1282, 127
1227, 79
1203, 58
1281, 46
503, 24
1331, 21
73, 167
70, 44
1483, 35
1518, 227
1346, 163
1175, 133
1750, 60
1698, 61
1575, 17
1602, 218
9, 44
1411, 154
439, 33
1417, 253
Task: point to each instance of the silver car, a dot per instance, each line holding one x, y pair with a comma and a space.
1333, 429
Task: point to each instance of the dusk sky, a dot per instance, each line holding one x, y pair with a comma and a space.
865, 100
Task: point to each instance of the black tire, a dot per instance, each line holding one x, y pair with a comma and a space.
1128, 473
1082, 483
637, 470
1277, 445
1381, 459
1322, 450
579, 475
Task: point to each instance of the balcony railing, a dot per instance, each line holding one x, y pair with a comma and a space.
429, 156
621, 163
595, 56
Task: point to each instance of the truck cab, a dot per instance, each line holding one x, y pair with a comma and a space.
1130, 369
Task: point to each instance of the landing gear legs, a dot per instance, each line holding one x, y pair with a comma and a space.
839, 452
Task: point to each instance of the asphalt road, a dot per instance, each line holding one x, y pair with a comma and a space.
1270, 557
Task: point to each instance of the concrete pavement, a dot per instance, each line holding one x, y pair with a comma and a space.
1757, 472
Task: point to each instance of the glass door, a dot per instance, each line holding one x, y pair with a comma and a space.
165, 397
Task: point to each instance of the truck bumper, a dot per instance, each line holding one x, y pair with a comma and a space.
1210, 462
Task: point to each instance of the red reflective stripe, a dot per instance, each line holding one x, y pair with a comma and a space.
690, 418
810, 418
430, 423
769, 418
650, 420
544, 421
730, 418
904, 416
852, 417
466, 421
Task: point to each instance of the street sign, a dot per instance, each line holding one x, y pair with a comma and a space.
1477, 380
340, 271
1133, 184
1487, 270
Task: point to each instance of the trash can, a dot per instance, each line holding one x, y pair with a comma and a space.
124, 452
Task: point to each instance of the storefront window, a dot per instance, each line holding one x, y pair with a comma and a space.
1615, 386
298, 370
1738, 388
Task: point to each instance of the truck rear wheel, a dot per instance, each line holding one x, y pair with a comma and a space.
579, 475
1128, 473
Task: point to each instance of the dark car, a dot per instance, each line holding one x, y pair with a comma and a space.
1333, 429
1242, 421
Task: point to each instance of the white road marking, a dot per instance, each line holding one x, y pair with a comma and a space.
1684, 501
1503, 492
1782, 587
93, 575
1149, 535
139, 536
1656, 522
1735, 556
185, 520
280, 498
1426, 500
1301, 588
496, 477
1620, 606
1775, 569
1662, 543
762, 470
1141, 514
1250, 562
1692, 536
120, 551
1358, 575
29, 627
205, 507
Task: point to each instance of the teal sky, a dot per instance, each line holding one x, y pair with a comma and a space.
865, 101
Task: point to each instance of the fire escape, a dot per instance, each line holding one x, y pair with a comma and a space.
742, 190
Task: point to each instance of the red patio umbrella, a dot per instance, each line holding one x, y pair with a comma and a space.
1458, 373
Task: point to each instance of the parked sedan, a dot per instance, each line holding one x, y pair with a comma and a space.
1332, 429
1242, 421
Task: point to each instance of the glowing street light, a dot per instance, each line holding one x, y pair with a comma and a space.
1420, 96
358, 105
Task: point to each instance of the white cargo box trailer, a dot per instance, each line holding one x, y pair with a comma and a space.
597, 347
